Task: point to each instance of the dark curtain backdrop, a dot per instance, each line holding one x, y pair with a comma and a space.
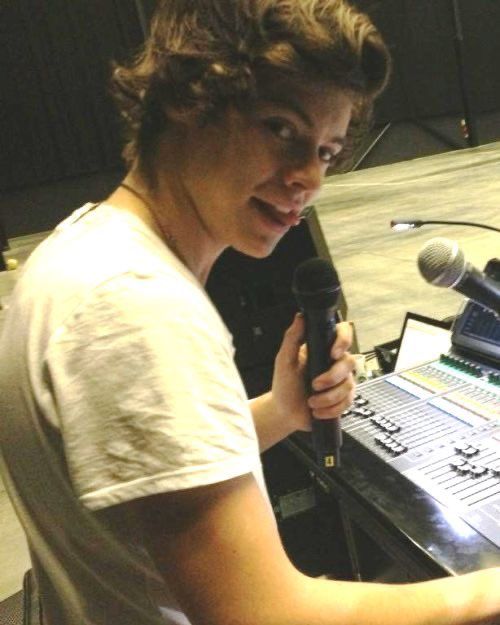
56, 117
420, 34
57, 120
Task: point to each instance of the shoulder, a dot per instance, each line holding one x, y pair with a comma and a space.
148, 317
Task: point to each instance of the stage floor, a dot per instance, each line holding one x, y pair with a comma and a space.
377, 266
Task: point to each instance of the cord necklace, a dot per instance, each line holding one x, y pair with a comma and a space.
168, 237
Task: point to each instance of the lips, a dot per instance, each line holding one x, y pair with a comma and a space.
280, 217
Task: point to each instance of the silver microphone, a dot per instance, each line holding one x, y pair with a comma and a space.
442, 263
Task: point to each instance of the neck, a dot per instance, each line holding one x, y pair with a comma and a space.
171, 221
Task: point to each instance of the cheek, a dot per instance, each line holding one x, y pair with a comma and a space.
256, 158
251, 173
265, 163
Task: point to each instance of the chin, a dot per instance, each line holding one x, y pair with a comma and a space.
257, 249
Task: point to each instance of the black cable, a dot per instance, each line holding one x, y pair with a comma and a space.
418, 223
464, 223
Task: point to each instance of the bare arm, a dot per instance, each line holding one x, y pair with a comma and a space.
286, 408
218, 548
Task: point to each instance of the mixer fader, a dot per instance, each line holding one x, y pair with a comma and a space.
439, 425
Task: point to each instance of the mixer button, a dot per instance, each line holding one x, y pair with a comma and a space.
392, 427
360, 401
478, 471
401, 449
382, 439
363, 412
470, 451
466, 450
464, 469
395, 448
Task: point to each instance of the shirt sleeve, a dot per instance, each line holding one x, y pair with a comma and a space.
148, 396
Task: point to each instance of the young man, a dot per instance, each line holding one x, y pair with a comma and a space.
122, 368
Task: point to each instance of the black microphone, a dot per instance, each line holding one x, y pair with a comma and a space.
316, 287
442, 263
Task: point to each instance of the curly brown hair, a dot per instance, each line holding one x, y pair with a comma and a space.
202, 56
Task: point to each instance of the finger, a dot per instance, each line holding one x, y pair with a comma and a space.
340, 369
335, 410
343, 340
333, 396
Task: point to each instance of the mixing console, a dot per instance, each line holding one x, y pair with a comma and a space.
439, 425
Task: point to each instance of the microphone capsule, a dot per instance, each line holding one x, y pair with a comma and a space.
441, 262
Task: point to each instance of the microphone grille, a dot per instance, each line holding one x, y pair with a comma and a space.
441, 262
316, 283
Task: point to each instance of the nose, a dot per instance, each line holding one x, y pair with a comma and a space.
305, 177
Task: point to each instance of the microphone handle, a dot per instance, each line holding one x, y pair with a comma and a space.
321, 331
480, 288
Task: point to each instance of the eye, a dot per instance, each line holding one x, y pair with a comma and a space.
281, 128
329, 154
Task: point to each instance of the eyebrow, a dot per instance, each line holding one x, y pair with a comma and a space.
299, 111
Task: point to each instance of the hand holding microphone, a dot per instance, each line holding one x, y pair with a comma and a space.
316, 287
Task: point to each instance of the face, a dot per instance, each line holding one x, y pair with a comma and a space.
246, 178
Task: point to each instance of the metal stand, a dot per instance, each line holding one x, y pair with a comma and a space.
468, 122
4, 245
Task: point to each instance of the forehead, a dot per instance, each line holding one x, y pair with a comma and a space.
315, 102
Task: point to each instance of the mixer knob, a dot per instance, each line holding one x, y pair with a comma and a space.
464, 469
494, 378
477, 371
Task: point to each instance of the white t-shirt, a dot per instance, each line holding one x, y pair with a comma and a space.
129, 361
